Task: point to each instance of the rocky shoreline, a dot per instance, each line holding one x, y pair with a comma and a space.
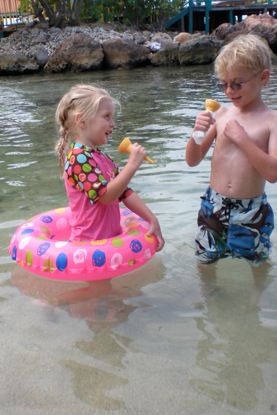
88, 48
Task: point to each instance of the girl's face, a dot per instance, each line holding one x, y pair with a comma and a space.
244, 88
96, 131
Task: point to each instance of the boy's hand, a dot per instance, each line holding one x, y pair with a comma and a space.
203, 121
234, 131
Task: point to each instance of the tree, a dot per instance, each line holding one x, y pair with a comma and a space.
138, 13
153, 12
60, 13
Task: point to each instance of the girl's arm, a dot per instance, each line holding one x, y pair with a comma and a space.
118, 185
136, 205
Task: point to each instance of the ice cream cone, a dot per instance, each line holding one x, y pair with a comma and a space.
212, 105
125, 147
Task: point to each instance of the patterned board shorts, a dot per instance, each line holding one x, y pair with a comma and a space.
233, 227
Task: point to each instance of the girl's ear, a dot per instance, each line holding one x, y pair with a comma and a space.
79, 122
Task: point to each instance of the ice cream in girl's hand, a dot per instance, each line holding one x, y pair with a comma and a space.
125, 147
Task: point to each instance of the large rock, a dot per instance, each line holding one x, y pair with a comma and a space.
41, 55
167, 56
14, 64
225, 29
199, 51
182, 37
121, 53
86, 48
78, 53
263, 25
162, 38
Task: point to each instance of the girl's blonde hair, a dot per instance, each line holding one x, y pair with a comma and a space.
249, 52
80, 99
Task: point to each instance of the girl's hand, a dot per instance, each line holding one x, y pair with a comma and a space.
136, 205
156, 230
137, 154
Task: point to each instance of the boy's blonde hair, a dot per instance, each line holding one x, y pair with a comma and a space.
80, 99
249, 52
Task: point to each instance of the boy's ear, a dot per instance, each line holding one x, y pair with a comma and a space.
265, 76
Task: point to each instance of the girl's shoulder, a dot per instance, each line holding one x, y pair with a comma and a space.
77, 149
78, 153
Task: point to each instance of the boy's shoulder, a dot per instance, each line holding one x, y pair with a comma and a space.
270, 113
231, 109
223, 110
270, 118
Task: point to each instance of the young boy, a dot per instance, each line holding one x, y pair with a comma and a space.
235, 218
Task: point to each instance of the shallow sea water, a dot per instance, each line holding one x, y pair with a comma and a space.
166, 339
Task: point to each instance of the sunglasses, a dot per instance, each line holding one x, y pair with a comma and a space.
235, 86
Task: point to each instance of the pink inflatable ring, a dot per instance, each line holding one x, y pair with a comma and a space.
41, 246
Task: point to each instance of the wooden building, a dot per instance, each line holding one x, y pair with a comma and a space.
15, 12
207, 15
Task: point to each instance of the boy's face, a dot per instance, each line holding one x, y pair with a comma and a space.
242, 86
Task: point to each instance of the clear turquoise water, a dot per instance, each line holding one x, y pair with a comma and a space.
166, 339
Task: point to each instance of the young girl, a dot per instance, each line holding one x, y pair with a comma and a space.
93, 183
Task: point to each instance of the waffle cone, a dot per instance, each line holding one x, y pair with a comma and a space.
212, 105
125, 147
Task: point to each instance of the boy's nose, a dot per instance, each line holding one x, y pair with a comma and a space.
229, 88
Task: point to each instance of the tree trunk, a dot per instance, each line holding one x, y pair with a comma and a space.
38, 11
76, 10
64, 14
50, 13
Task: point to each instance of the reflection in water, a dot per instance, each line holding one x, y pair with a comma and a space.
233, 346
101, 305
95, 301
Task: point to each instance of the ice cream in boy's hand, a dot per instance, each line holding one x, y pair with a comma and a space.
212, 106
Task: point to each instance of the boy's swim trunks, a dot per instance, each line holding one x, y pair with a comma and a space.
233, 227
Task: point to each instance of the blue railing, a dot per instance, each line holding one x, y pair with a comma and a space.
189, 6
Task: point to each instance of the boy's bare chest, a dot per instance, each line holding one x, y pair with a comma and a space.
255, 127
